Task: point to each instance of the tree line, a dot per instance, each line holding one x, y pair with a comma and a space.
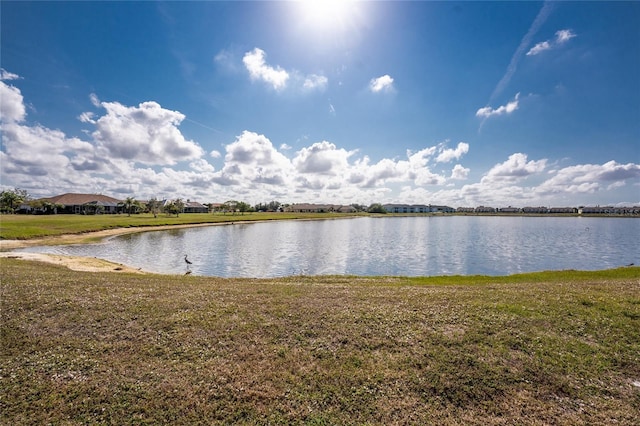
12, 199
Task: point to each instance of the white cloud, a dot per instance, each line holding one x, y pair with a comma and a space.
255, 63
589, 178
315, 82
161, 162
381, 84
516, 167
447, 155
277, 77
95, 101
459, 173
510, 107
6, 75
87, 117
322, 158
253, 160
562, 36
11, 103
540, 47
146, 134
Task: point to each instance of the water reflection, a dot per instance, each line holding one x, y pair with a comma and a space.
411, 246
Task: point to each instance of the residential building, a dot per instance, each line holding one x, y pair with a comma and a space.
194, 207
85, 203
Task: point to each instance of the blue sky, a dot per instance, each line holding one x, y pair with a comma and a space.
464, 104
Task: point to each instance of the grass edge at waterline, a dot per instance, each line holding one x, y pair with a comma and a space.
25, 227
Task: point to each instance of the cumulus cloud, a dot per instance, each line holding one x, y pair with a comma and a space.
516, 167
161, 162
562, 36
255, 62
146, 133
459, 173
509, 108
322, 158
11, 102
381, 84
588, 178
447, 155
279, 78
253, 160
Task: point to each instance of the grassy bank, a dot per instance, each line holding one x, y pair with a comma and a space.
34, 226
104, 348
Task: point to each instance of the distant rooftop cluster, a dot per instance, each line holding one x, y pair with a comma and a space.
98, 204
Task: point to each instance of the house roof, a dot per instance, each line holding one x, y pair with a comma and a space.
193, 204
71, 199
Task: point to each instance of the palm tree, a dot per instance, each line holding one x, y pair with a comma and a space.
128, 203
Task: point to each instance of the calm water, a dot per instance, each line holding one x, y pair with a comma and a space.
412, 246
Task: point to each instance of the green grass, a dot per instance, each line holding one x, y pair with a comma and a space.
34, 226
105, 348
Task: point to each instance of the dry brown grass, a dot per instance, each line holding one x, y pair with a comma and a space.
99, 348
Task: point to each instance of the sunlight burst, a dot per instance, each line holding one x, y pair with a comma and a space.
324, 14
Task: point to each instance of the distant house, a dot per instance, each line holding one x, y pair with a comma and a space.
465, 209
485, 209
509, 210
346, 209
406, 208
441, 209
215, 207
319, 208
194, 207
535, 210
85, 203
417, 208
563, 210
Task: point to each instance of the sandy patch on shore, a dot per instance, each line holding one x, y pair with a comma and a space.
76, 263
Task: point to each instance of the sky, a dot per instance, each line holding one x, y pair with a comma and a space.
446, 103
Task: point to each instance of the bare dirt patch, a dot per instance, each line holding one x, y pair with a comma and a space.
75, 263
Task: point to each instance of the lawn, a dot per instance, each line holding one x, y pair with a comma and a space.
104, 348
34, 226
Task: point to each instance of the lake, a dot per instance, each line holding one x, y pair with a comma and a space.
410, 246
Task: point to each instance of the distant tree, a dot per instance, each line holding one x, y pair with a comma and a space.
243, 207
12, 198
179, 206
376, 208
153, 205
169, 208
230, 206
271, 206
129, 202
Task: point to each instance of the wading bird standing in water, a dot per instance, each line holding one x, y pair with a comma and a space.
187, 261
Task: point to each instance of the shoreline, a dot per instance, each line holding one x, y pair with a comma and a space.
82, 263
94, 264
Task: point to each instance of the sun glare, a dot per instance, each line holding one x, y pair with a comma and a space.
325, 14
